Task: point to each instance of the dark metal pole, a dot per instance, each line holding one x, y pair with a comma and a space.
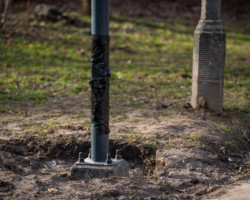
100, 80
99, 163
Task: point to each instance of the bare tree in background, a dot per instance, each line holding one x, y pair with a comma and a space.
86, 7
6, 4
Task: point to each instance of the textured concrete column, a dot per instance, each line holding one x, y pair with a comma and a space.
209, 58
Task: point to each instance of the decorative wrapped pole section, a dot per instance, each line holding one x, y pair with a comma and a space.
100, 81
209, 58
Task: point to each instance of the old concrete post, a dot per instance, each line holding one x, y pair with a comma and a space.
209, 58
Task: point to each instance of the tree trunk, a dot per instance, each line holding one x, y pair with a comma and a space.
4, 15
86, 7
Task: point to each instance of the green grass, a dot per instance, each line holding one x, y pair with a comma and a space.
41, 61
224, 128
196, 137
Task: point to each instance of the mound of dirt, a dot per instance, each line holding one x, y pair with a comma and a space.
155, 170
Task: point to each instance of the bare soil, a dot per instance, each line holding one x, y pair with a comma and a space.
238, 190
175, 156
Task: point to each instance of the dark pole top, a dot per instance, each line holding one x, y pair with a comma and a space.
100, 17
211, 10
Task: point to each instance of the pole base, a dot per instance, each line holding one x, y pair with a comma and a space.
89, 169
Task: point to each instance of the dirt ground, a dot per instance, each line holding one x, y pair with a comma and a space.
184, 157
174, 152
238, 190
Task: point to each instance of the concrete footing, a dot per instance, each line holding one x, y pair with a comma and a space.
88, 170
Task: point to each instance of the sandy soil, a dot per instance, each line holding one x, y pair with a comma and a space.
238, 190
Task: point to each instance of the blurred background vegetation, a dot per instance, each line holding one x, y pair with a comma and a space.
42, 59
157, 8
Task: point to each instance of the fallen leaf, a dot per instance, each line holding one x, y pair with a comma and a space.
52, 190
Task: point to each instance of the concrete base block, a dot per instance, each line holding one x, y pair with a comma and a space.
89, 170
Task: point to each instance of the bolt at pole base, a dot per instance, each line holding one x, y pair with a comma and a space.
80, 158
118, 154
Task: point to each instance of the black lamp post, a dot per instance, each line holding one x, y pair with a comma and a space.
99, 162
100, 81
